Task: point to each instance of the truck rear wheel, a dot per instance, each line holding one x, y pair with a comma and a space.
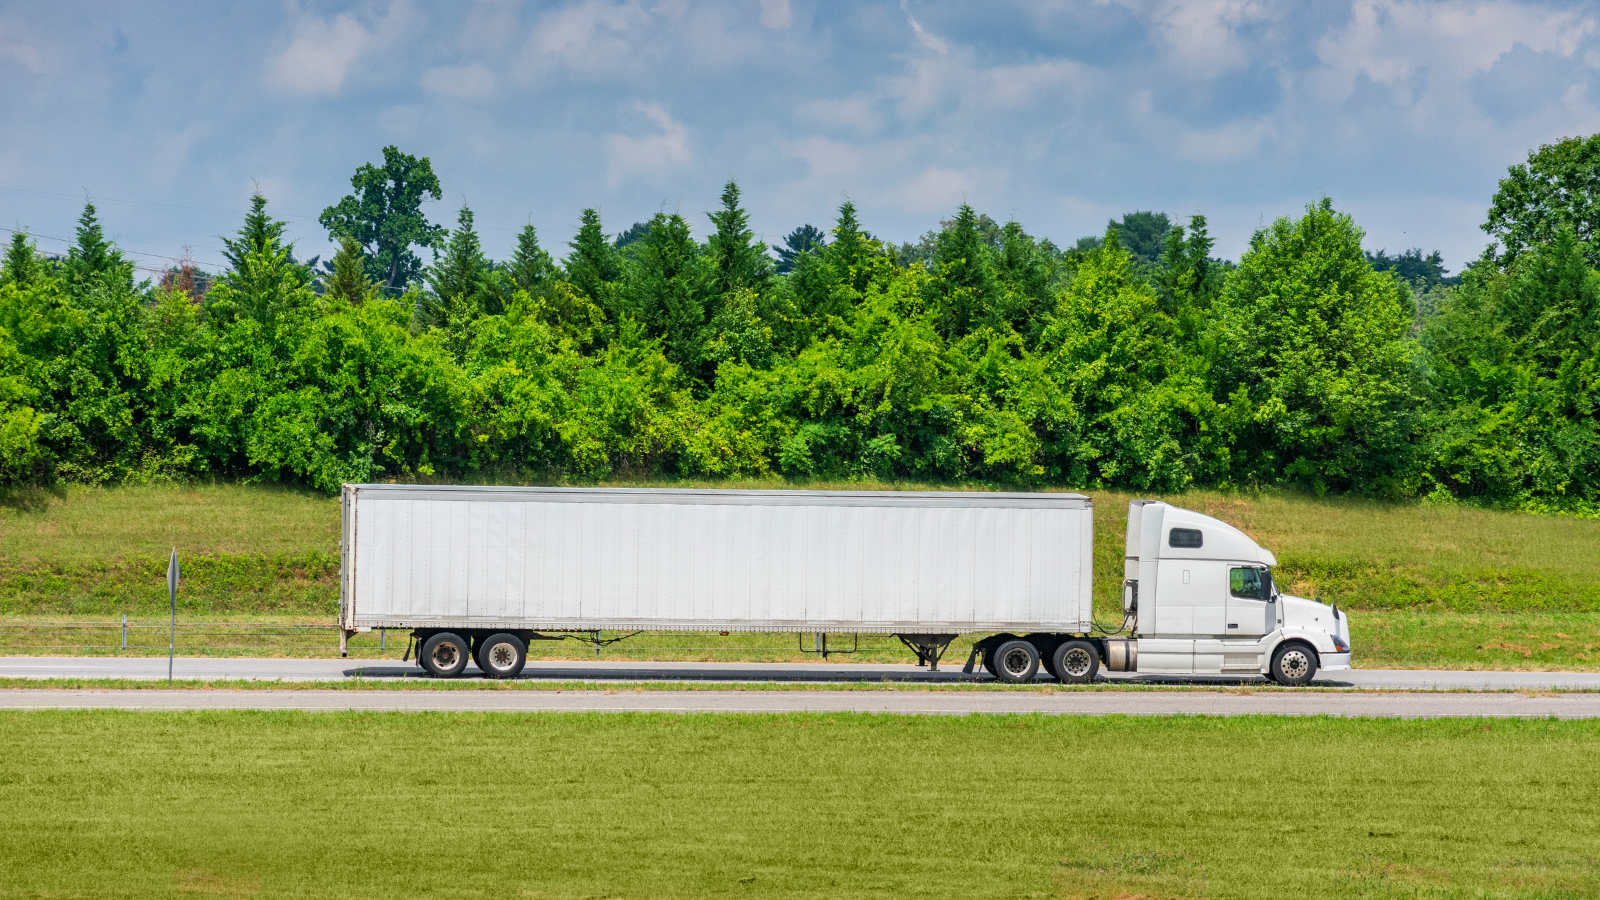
444, 655
1294, 665
1075, 662
502, 655
1016, 662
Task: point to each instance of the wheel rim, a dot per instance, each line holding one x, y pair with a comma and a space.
1076, 662
1295, 664
502, 657
1016, 661
446, 655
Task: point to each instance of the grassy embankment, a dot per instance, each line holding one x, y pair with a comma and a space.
337, 805
1428, 586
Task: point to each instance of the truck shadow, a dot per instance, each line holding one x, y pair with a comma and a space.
771, 673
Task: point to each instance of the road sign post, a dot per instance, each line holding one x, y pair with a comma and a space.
172, 594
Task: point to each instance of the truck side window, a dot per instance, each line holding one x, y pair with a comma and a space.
1185, 537
1250, 584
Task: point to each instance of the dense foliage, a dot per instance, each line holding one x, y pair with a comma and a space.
1134, 359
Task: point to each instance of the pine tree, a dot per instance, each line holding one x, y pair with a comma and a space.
349, 281
22, 267
668, 285
847, 255
737, 259
530, 265
594, 267
458, 276
261, 233
966, 286
94, 258
263, 279
804, 239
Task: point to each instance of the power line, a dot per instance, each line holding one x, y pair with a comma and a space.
177, 259
147, 203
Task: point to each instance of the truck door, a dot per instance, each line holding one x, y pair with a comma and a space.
1249, 596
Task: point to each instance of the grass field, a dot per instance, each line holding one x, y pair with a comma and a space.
1430, 585
110, 804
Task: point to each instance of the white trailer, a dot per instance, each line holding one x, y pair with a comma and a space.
480, 572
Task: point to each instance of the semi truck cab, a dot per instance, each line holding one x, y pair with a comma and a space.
1202, 601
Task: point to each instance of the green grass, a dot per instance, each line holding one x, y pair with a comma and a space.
336, 805
1478, 578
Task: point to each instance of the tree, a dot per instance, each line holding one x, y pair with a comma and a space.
1142, 234
22, 266
850, 249
593, 266
1314, 361
385, 217
966, 291
458, 276
633, 235
94, 258
1513, 362
348, 280
1559, 185
668, 286
804, 239
263, 280
1414, 268
738, 260
1188, 278
530, 266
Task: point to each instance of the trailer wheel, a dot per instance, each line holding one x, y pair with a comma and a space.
1294, 665
444, 655
1016, 662
502, 655
1075, 662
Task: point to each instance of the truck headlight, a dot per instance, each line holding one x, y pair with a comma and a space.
1342, 645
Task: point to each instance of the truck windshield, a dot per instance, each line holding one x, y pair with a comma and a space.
1250, 584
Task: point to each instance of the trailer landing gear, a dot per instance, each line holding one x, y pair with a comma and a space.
929, 648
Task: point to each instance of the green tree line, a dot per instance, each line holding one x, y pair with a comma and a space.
1134, 359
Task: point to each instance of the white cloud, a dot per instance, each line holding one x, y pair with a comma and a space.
826, 158
654, 153
1391, 41
776, 13
1203, 35
851, 113
322, 54
925, 38
1236, 140
595, 37
939, 189
27, 55
172, 151
462, 82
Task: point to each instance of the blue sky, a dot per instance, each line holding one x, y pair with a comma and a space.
1060, 114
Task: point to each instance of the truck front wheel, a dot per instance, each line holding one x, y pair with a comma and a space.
502, 656
1075, 662
444, 655
1294, 665
1016, 662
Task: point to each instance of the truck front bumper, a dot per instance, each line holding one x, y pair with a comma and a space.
1333, 662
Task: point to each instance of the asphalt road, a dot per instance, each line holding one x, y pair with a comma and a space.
622, 672
907, 702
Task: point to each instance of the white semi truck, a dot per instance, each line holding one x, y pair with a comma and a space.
479, 573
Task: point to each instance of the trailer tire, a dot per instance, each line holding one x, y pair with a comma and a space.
444, 655
1294, 665
1075, 662
502, 655
1016, 662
